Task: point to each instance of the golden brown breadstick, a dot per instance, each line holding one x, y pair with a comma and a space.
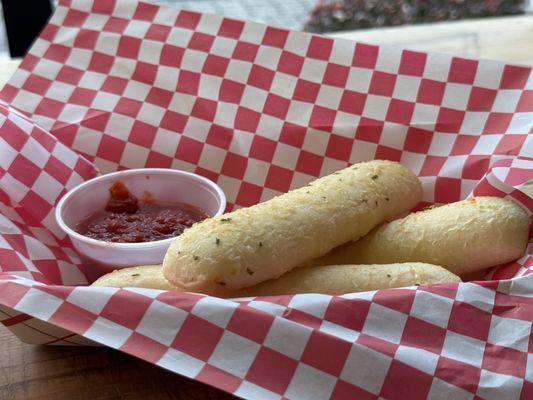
330, 279
463, 237
262, 242
144, 276
341, 279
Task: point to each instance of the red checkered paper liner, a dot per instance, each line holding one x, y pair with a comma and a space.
113, 85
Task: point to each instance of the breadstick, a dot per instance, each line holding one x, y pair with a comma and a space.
145, 276
463, 237
251, 245
329, 279
341, 279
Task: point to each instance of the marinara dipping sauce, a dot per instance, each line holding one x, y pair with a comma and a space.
127, 219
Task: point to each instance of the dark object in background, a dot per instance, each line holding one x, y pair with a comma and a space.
336, 15
24, 21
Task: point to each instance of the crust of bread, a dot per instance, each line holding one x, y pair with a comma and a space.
341, 279
329, 279
463, 237
144, 276
262, 242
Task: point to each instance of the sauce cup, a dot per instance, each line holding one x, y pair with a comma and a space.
160, 185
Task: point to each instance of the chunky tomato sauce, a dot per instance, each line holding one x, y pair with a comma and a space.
127, 219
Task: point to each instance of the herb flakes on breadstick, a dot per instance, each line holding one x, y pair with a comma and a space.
144, 276
269, 239
463, 237
342, 279
329, 279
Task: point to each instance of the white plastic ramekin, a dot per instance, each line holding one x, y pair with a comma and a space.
165, 185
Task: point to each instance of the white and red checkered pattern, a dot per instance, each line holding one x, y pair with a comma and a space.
121, 84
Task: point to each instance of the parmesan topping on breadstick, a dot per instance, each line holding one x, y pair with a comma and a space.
463, 237
262, 242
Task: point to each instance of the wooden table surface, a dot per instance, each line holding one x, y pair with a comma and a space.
68, 373
65, 373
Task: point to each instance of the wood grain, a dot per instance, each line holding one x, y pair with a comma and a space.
96, 373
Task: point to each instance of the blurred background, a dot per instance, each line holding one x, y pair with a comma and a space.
337, 15
365, 20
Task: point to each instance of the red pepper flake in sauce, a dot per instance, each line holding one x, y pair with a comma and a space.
125, 219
